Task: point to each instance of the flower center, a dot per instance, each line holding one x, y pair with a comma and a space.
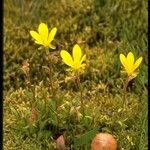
76, 65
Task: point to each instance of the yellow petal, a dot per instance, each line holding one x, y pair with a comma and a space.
130, 59
137, 63
123, 60
130, 63
82, 59
77, 53
52, 34
43, 31
67, 59
36, 36
38, 42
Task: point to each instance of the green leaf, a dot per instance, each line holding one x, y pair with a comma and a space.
85, 138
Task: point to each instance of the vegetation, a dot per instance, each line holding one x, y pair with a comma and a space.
43, 100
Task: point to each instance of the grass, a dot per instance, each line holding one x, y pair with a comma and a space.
33, 119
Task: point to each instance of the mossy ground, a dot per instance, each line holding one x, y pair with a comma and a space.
103, 29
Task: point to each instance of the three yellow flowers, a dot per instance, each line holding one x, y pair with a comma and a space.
43, 37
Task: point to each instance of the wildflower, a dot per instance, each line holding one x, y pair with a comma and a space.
43, 37
76, 61
129, 64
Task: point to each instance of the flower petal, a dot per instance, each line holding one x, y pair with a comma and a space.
82, 59
43, 31
67, 59
130, 59
137, 63
130, 63
36, 36
77, 53
52, 34
38, 42
123, 60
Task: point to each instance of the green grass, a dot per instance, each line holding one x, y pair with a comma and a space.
103, 29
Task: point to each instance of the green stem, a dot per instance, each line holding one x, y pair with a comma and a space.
81, 93
52, 88
51, 85
125, 89
50, 76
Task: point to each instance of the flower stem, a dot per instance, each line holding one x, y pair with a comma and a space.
52, 87
29, 85
48, 58
125, 89
50, 76
81, 93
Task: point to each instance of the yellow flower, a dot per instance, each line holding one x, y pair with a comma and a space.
43, 37
129, 64
74, 62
